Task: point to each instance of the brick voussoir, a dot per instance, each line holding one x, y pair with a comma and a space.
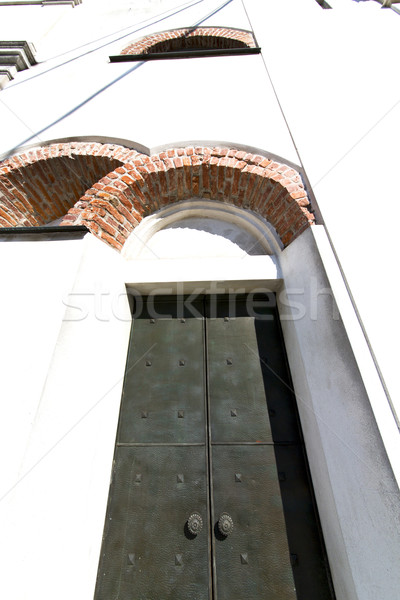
141, 184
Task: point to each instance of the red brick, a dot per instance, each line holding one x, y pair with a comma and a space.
143, 184
208, 37
105, 226
8, 218
108, 207
291, 187
205, 171
111, 241
299, 194
180, 185
236, 181
133, 216
228, 189
303, 201
196, 160
195, 185
178, 162
287, 238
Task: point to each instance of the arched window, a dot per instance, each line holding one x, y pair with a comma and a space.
192, 39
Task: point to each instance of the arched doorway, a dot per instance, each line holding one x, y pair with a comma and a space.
210, 494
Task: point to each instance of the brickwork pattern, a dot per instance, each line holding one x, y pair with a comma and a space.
113, 207
42, 184
198, 38
47, 183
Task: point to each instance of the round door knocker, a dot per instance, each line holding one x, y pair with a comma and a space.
195, 523
225, 524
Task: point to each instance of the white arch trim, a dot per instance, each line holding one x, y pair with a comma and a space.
213, 258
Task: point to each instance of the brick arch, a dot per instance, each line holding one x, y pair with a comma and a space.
189, 38
115, 205
41, 185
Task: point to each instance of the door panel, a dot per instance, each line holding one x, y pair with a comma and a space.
255, 556
255, 437
245, 484
247, 334
149, 554
238, 411
208, 425
163, 397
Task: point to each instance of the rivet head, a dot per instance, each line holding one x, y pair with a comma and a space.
244, 559
234, 412
152, 321
238, 477
181, 363
226, 319
145, 414
183, 320
229, 361
148, 363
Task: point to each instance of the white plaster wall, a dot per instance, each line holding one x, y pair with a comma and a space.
153, 104
30, 23
74, 333
35, 277
356, 491
333, 71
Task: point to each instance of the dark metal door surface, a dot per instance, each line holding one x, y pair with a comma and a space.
255, 558
209, 498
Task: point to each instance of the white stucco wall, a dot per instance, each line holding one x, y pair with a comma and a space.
356, 490
86, 95
62, 384
341, 102
35, 276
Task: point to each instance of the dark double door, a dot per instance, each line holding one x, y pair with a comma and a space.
209, 497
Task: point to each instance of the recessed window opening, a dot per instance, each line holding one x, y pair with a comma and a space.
189, 38
195, 42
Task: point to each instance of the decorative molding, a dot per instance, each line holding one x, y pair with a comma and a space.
15, 56
72, 3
